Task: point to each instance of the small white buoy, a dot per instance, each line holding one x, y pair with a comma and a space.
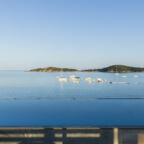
105, 80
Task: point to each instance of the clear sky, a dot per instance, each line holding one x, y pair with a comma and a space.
71, 33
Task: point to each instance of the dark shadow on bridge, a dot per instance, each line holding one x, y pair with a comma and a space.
71, 136
56, 136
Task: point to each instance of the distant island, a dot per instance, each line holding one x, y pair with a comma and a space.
53, 69
117, 69
110, 69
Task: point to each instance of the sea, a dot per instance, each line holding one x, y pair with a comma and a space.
37, 99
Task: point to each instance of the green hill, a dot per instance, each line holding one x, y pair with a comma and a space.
53, 69
118, 68
112, 69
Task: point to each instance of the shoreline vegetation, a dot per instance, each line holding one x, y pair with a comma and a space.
110, 69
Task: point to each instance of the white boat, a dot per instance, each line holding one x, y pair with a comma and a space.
99, 80
75, 79
62, 79
72, 76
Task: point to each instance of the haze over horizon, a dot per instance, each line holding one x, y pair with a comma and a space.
77, 34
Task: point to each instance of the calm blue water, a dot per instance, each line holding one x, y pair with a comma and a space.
39, 99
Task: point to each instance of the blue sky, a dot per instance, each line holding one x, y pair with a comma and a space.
71, 33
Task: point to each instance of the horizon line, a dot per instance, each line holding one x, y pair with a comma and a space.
71, 67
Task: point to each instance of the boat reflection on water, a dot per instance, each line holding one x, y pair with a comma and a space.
119, 82
136, 76
75, 80
89, 80
123, 76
